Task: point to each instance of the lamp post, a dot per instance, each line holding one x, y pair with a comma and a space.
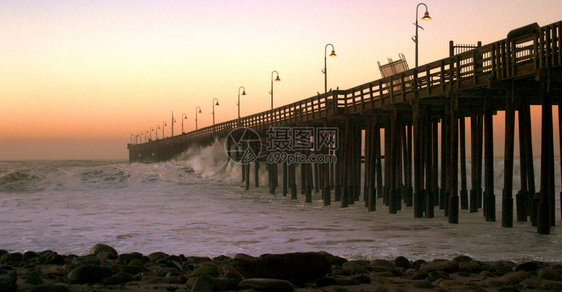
425, 17
183, 117
163, 128
333, 55
132, 138
151, 130
238, 104
173, 122
146, 137
217, 103
137, 136
271, 92
196, 116
156, 131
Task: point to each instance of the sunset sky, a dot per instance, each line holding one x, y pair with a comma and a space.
79, 77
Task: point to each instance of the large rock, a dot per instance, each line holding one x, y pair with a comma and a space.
100, 247
401, 262
294, 267
119, 278
356, 266
269, 285
8, 282
89, 274
49, 287
127, 258
209, 283
445, 266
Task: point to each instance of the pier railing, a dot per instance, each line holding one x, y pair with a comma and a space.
523, 53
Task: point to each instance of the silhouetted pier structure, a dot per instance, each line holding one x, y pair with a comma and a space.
422, 113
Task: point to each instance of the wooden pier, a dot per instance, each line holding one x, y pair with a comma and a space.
421, 115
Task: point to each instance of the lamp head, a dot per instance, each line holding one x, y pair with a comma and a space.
277, 79
243, 92
426, 16
217, 103
333, 54
199, 110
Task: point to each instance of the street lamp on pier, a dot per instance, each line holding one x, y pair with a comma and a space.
271, 92
151, 130
238, 104
156, 131
325, 71
163, 128
173, 122
425, 17
217, 103
183, 117
196, 127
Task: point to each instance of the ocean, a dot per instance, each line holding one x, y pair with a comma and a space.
197, 205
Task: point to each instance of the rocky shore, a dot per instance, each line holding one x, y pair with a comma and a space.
106, 270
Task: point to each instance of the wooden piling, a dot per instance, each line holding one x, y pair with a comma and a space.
248, 176
489, 197
387, 164
293, 180
474, 163
427, 175
454, 158
527, 156
435, 163
560, 137
446, 150
418, 159
371, 158
544, 208
257, 173
521, 198
393, 158
408, 148
507, 194
462, 144
285, 179
444, 163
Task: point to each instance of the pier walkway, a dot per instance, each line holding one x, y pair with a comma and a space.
420, 117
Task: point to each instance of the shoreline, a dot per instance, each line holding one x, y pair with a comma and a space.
103, 269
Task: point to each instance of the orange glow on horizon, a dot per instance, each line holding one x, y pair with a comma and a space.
91, 70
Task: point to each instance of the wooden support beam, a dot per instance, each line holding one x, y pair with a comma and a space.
544, 208
475, 161
454, 158
257, 173
427, 175
394, 198
408, 148
507, 195
489, 197
444, 163
285, 179
418, 159
462, 142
